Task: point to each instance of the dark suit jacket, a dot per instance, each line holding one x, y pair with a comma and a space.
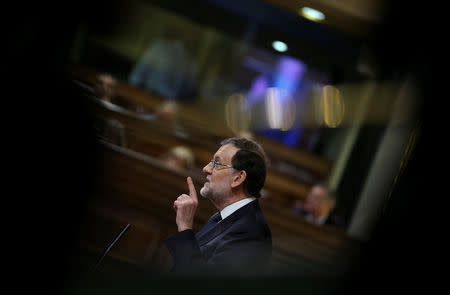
240, 244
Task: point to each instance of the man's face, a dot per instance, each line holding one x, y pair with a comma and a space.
175, 162
218, 180
316, 196
105, 86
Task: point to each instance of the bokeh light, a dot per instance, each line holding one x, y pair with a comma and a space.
237, 113
279, 46
312, 14
332, 106
280, 109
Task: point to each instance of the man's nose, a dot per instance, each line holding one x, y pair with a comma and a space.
207, 169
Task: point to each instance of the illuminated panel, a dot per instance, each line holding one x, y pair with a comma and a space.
332, 106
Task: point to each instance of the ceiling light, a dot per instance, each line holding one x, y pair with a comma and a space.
279, 46
312, 14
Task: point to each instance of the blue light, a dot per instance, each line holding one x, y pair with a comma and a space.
279, 46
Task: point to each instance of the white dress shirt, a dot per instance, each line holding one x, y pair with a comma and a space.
228, 210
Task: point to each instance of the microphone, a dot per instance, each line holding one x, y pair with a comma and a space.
110, 246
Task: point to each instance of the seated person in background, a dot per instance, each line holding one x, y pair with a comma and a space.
105, 87
114, 132
166, 67
318, 206
166, 113
179, 158
111, 130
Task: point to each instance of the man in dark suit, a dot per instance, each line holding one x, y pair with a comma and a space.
236, 240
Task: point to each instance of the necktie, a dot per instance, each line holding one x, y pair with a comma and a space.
210, 224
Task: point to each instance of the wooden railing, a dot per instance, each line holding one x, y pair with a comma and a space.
155, 138
209, 129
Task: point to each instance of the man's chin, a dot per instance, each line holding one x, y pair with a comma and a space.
203, 192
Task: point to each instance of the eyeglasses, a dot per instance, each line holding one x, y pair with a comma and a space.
215, 163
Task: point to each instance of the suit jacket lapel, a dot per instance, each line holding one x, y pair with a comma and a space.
224, 224
209, 224
220, 227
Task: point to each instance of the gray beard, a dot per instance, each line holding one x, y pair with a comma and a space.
203, 193
215, 198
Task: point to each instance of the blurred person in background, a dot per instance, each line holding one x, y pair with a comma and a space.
105, 87
237, 239
318, 206
167, 115
113, 131
167, 112
109, 129
166, 67
179, 158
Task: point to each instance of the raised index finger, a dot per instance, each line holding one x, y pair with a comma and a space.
192, 191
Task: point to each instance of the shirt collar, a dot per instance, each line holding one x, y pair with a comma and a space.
228, 210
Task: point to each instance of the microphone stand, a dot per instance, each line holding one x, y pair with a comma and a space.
110, 246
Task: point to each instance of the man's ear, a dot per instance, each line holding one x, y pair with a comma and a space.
238, 178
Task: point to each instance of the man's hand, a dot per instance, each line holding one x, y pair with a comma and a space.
185, 206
